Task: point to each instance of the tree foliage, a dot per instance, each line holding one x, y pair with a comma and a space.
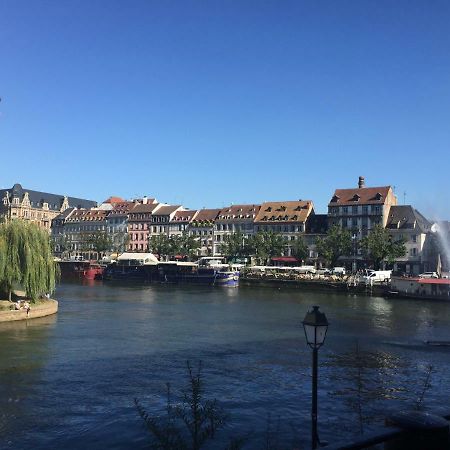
379, 246
337, 243
185, 245
299, 249
26, 259
100, 241
266, 245
165, 246
235, 246
119, 241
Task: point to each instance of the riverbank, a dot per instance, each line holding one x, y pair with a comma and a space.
42, 308
335, 285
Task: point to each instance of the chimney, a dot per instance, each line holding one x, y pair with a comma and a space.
144, 200
361, 183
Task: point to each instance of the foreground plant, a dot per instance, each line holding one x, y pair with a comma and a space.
188, 424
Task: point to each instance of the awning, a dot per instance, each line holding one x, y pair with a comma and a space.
285, 259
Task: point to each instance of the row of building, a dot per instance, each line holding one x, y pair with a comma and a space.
130, 224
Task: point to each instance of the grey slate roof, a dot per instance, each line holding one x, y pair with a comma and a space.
402, 217
54, 200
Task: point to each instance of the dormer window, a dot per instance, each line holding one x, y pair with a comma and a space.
335, 199
378, 196
355, 198
269, 209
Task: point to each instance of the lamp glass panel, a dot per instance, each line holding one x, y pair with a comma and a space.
310, 331
320, 334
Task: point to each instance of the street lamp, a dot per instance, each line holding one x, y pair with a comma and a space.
315, 325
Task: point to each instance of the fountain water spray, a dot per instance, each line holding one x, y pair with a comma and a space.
444, 243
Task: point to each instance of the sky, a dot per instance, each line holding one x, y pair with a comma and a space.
207, 103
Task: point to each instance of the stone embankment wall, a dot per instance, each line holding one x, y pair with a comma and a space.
40, 310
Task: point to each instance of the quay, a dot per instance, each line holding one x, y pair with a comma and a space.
42, 309
335, 284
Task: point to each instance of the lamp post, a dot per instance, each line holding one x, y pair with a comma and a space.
354, 237
315, 325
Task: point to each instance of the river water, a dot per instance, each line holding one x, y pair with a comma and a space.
69, 381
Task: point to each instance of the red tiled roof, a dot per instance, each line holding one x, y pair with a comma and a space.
207, 215
165, 210
114, 200
122, 208
140, 208
88, 215
236, 212
359, 196
292, 211
183, 216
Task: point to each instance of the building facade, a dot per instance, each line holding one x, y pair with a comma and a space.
406, 224
139, 223
286, 218
35, 206
202, 228
361, 208
81, 229
233, 219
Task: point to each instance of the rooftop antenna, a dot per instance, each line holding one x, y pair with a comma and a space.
404, 197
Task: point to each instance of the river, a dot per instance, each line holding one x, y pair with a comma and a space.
69, 381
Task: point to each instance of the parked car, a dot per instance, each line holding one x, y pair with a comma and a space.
305, 269
429, 275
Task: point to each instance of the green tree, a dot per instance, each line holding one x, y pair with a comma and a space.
160, 244
299, 249
119, 241
100, 242
337, 243
26, 259
267, 244
187, 245
234, 246
379, 246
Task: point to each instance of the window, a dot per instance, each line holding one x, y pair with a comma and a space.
365, 209
414, 238
354, 209
345, 210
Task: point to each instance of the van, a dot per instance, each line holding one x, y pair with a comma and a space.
305, 269
338, 271
377, 276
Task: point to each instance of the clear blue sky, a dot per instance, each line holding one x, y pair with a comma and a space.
208, 103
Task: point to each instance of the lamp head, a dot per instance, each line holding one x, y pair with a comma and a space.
315, 325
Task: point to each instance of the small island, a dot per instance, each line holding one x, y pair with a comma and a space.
28, 272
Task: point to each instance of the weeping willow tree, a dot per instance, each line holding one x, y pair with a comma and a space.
26, 259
